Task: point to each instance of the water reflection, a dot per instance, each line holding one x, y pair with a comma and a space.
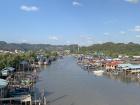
118, 76
124, 78
56, 99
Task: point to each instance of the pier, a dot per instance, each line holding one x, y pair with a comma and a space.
22, 100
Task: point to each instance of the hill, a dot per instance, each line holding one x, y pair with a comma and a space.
26, 46
113, 49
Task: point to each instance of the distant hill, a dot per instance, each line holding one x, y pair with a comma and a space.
26, 46
109, 48
114, 49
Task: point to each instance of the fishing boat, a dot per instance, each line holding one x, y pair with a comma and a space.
98, 72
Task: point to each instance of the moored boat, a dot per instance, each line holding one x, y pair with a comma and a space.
98, 72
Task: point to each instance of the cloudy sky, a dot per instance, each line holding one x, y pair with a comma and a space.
81, 22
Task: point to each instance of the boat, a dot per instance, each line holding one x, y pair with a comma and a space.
98, 72
5, 73
45, 63
40, 62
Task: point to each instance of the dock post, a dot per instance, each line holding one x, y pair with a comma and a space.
31, 102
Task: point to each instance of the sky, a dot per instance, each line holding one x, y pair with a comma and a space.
83, 22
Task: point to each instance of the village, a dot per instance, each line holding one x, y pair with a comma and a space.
100, 65
17, 85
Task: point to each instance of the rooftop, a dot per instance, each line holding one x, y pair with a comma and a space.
3, 83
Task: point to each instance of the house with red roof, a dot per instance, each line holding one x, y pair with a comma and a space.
110, 66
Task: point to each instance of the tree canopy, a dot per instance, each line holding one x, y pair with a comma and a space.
113, 49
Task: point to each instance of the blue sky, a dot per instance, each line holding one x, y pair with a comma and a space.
83, 22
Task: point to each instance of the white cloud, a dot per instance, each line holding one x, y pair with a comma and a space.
136, 29
87, 40
106, 33
99, 42
132, 1
29, 8
138, 36
90, 42
122, 32
53, 38
76, 3
111, 21
68, 42
23, 41
85, 37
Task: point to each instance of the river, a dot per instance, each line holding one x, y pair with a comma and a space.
66, 83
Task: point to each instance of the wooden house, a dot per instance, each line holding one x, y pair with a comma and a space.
111, 65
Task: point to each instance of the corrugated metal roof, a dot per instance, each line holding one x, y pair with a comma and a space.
124, 65
134, 67
3, 83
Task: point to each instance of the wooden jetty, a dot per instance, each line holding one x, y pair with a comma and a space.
25, 99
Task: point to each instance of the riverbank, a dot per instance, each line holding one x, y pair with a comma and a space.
20, 85
100, 65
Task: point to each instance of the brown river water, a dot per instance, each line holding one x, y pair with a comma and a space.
66, 83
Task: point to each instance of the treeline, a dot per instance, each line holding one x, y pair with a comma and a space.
13, 60
113, 49
8, 59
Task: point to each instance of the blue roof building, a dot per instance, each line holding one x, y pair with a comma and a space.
3, 88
